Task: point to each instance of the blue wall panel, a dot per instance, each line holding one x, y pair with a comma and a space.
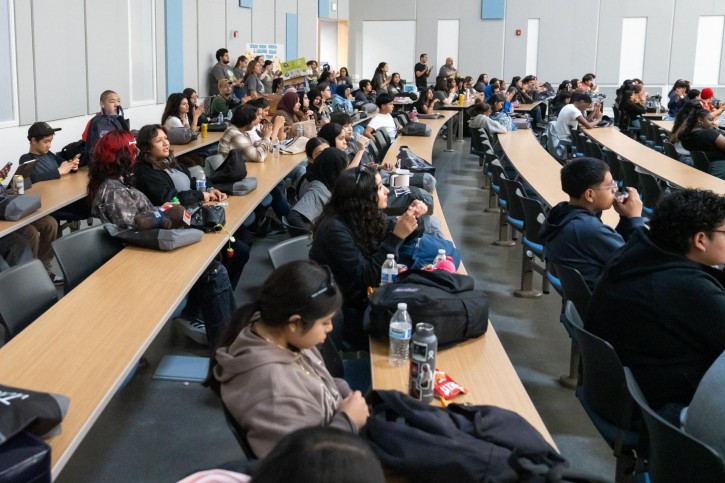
245, 3
323, 8
493, 9
174, 46
291, 34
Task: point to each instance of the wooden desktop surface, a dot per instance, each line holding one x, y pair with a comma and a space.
86, 344
481, 364
664, 167
54, 194
654, 115
526, 107
540, 170
666, 125
199, 142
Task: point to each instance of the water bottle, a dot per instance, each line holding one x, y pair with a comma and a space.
414, 114
201, 182
300, 131
229, 115
275, 150
389, 271
423, 348
440, 257
220, 118
399, 334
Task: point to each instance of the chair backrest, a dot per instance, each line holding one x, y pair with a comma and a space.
240, 434
631, 180
700, 160
596, 151
496, 174
297, 248
670, 150
610, 157
674, 456
514, 209
651, 190
25, 293
574, 287
603, 386
403, 118
375, 152
532, 224
382, 144
384, 133
81, 253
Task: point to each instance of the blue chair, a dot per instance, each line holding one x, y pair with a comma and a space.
494, 174
602, 392
505, 238
651, 192
533, 246
673, 455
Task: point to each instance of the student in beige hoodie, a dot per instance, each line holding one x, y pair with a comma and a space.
271, 377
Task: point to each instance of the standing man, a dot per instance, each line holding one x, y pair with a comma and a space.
221, 70
447, 69
422, 72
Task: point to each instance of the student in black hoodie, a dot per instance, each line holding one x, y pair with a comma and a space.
660, 302
573, 234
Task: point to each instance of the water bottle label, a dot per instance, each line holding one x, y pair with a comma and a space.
399, 334
388, 277
200, 184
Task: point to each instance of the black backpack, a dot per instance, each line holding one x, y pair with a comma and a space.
446, 300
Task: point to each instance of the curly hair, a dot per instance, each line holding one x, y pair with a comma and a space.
144, 139
687, 119
113, 157
354, 201
173, 103
684, 213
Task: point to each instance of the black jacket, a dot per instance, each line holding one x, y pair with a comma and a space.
664, 314
159, 188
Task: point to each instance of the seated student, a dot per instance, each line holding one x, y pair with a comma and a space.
705, 416
343, 77
308, 114
660, 303
270, 376
364, 95
572, 115
426, 101
445, 91
288, 108
696, 129
573, 233
161, 178
176, 113
480, 113
356, 142
328, 77
631, 108
279, 131
481, 83
337, 136
396, 86
15, 250
383, 119
324, 111
224, 102
313, 149
342, 100
192, 97
322, 177
491, 89
314, 70
109, 119
353, 237
677, 98
706, 100
560, 100
113, 200
48, 165
499, 115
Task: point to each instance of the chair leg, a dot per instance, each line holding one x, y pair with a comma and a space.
486, 179
492, 202
570, 381
504, 231
527, 277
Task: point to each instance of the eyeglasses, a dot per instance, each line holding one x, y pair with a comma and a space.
362, 169
328, 288
612, 187
717, 231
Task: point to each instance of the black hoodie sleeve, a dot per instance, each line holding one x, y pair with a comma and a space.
159, 188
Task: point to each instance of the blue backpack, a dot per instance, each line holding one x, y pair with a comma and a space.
422, 251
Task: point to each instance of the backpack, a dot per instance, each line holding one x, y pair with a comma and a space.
446, 300
407, 159
425, 443
97, 128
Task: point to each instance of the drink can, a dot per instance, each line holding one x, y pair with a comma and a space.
204, 130
19, 184
200, 185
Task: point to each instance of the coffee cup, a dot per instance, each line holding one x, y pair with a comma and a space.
401, 177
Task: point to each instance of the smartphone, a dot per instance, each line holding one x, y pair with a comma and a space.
6, 169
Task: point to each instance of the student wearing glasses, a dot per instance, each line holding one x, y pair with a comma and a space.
268, 371
353, 237
660, 302
574, 234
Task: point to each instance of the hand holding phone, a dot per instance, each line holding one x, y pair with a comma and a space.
6, 169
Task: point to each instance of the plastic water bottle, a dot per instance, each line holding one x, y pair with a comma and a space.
414, 114
399, 334
440, 257
275, 150
389, 271
423, 349
220, 118
300, 131
229, 115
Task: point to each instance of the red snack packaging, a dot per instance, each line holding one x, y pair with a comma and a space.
445, 387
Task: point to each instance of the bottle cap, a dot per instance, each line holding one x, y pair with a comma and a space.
402, 306
174, 199
390, 255
441, 251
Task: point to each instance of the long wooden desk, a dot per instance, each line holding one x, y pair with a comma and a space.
460, 108
86, 344
540, 170
526, 107
666, 125
479, 364
654, 115
663, 167
54, 194
199, 142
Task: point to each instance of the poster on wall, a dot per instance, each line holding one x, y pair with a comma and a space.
273, 52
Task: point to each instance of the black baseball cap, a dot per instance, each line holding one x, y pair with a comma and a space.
41, 129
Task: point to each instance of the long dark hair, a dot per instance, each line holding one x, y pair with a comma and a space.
113, 157
688, 119
301, 288
188, 92
354, 201
379, 70
329, 133
143, 143
423, 99
172, 106
327, 167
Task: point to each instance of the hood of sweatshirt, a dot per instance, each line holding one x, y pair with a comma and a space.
562, 214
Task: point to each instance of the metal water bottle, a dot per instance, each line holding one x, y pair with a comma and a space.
423, 349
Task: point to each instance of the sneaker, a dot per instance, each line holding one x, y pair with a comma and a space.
275, 228
193, 329
56, 279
